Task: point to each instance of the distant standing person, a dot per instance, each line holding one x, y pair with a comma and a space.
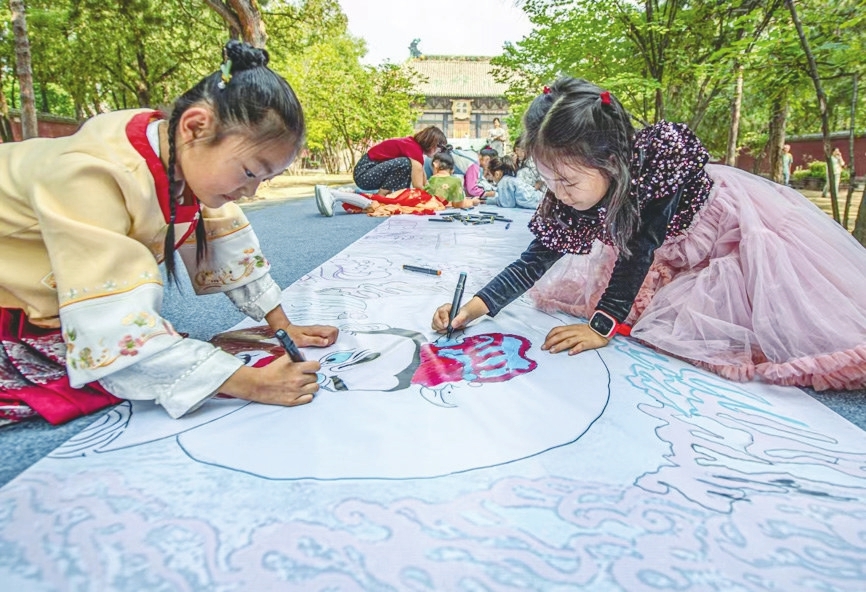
496, 137
787, 161
838, 165
398, 163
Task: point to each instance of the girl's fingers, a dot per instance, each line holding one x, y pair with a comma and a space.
302, 400
440, 317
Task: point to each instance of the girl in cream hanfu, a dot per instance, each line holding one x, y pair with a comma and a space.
85, 220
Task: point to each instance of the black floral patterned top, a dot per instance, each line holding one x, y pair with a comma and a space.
669, 184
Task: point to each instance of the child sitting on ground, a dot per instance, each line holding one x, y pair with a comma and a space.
443, 184
511, 191
474, 182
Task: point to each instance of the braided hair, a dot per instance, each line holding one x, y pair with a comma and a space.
247, 97
575, 121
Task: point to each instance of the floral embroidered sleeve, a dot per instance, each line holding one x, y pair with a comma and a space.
110, 291
234, 263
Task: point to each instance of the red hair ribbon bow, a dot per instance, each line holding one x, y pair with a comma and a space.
605, 98
546, 90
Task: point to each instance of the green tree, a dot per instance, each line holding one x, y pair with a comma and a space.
101, 55
662, 59
97, 55
687, 61
348, 105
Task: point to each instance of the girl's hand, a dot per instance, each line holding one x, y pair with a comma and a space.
282, 382
313, 335
574, 338
467, 313
303, 336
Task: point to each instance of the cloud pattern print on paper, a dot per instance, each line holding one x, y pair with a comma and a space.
677, 480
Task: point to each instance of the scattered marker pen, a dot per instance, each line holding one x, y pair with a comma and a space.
426, 270
291, 349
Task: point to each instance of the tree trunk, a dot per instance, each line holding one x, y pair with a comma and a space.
822, 107
142, 89
860, 223
29, 125
776, 140
855, 79
243, 19
734, 130
5, 123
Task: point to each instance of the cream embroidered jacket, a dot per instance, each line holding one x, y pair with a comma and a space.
82, 225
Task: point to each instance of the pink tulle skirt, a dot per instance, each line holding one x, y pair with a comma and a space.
763, 285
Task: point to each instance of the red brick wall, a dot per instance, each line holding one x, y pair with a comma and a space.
50, 126
807, 150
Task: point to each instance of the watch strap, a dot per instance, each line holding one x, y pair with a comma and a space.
616, 328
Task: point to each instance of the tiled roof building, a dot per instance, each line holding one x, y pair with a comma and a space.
461, 95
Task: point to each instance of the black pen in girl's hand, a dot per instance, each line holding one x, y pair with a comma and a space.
294, 353
455, 304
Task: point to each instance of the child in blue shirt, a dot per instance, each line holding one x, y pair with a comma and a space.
511, 191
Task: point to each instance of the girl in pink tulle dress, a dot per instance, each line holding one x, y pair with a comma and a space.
708, 263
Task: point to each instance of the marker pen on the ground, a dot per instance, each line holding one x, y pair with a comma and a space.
422, 269
291, 349
455, 303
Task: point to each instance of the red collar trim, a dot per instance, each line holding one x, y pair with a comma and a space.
136, 132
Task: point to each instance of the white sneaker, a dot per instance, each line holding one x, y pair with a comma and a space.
324, 201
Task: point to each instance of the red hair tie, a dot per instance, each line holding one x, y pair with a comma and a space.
605, 98
546, 90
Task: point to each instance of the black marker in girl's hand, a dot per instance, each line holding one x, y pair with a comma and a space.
291, 349
455, 304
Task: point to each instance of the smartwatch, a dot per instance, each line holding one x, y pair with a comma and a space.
607, 326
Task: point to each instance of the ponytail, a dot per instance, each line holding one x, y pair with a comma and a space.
244, 94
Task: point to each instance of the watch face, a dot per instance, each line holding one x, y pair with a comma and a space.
601, 324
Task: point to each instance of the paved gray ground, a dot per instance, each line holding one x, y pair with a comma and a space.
296, 239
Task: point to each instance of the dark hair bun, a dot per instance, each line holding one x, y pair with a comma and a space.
244, 56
